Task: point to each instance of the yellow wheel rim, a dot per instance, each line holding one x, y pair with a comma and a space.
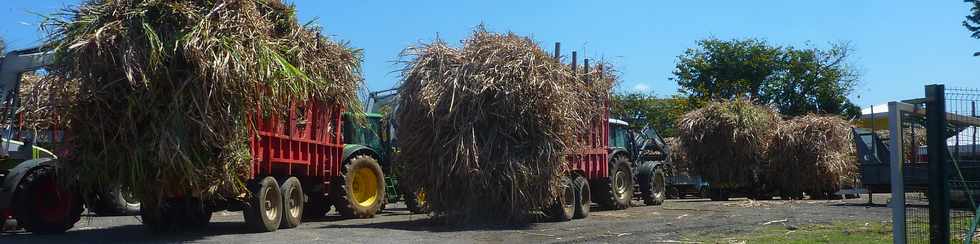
420, 197
365, 187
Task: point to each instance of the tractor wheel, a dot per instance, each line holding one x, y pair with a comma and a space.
115, 202
616, 191
42, 205
653, 187
175, 214
583, 197
292, 199
264, 213
415, 202
359, 191
563, 208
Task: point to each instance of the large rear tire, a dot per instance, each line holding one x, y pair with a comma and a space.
264, 213
359, 191
616, 191
42, 205
583, 197
563, 208
292, 199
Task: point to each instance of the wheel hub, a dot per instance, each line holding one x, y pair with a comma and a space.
364, 187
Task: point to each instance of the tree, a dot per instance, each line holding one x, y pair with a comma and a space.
972, 22
3, 47
660, 113
726, 69
794, 81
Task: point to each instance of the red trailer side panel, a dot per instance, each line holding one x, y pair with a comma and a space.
307, 143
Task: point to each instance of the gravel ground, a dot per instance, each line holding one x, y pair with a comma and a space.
669, 223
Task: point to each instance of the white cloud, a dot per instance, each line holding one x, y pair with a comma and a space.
641, 87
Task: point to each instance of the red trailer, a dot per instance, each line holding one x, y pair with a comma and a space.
299, 169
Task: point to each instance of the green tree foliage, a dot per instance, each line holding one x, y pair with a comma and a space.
795, 81
972, 22
661, 113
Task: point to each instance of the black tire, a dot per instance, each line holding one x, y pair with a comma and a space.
653, 187
583, 197
292, 203
718, 194
115, 201
342, 193
175, 214
42, 205
616, 191
264, 213
563, 208
415, 201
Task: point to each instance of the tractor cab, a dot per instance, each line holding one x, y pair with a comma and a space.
643, 144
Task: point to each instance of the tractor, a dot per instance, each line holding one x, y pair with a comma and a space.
615, 164
29, 192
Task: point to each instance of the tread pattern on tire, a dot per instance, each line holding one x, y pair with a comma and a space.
342, 202
253, 212
605, 193
648, 184
583, 197
287, 220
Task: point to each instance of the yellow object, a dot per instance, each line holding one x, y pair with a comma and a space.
365, 187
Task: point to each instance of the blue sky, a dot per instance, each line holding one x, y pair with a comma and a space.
900, 45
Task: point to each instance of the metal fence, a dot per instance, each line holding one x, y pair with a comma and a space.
951, 153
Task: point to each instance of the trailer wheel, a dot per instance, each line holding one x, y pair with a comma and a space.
116, 201
42, 205
264, 213
616, 191
583, 197
359, 191
292, 199
563, 208
653, 186
416, 202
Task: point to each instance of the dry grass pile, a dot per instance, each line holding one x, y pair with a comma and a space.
678, 155
725, 142
813, 154
485, 128
166, 89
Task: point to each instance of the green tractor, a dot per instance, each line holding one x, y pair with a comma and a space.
374, 136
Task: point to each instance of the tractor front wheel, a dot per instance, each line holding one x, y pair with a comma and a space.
42, 205
653, 185
415, 202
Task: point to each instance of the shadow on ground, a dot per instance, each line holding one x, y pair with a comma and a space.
125, 234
